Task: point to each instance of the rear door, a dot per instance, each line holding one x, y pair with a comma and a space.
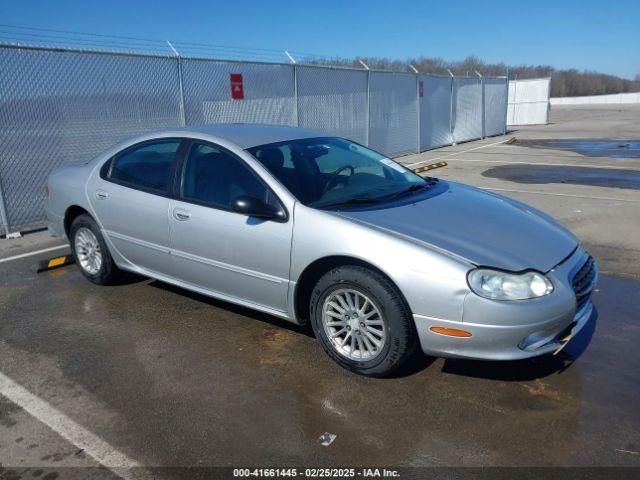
217, 249
131, 200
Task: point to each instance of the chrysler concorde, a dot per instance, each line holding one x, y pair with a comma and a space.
318, 229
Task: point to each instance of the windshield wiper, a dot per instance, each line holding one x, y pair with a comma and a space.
352, 201
365, 200
407, 191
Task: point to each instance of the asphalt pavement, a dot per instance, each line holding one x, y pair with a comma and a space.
107, 381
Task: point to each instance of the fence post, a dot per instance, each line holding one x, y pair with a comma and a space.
515, 99
482, 104
181, 115
415, 70
419, 114
368, 104
506, 104
549, 98
368, 96
451, 109
296, 116
295, 95
3, 212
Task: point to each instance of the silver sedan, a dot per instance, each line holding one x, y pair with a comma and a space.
321, 230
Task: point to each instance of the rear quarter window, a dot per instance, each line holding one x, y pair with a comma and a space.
144, 167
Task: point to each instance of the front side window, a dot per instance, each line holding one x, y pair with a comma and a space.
212, 176
145, 167
331, 172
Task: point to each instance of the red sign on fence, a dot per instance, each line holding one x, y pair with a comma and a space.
421, 88
237, 90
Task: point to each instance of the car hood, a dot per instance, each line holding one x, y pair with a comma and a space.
483, 228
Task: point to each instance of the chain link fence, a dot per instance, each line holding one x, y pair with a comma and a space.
268, 92
467, 119
393, 113
333, 101
59, 106
436, 107
495, 116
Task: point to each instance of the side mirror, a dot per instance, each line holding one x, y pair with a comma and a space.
254, 207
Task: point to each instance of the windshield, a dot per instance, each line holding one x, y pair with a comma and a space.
332, 172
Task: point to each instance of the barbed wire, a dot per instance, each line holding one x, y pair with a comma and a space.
49, 37
38, 37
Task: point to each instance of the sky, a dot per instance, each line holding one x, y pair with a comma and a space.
596, 35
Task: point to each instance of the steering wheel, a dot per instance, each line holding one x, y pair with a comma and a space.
335, 178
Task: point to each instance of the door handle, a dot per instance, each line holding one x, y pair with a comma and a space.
181, 215
101, 194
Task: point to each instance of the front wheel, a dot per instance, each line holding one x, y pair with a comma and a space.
362, 321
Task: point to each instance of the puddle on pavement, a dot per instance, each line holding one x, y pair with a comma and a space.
590, 148
544, 174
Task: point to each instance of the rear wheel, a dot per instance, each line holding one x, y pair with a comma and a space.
362, 321
91, 253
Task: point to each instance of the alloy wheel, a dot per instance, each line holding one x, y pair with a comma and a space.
353, 324
88, 250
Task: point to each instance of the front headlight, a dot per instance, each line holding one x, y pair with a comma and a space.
498, 285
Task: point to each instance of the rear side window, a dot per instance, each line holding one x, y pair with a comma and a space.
145, 167
214, 177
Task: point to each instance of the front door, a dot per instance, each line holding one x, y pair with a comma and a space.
213, 247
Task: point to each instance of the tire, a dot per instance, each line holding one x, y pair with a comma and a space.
339, 285
83, 229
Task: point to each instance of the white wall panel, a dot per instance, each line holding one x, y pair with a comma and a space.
597, 99
528, 101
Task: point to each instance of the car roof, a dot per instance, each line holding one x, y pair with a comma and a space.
247, 135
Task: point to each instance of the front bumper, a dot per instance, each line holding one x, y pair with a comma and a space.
513, 330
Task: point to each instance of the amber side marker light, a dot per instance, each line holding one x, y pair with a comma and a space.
451, 332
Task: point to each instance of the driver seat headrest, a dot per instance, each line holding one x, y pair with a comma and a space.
272, 158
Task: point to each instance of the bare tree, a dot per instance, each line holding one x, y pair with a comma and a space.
564, 83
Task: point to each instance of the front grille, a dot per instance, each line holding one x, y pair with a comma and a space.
583, 282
